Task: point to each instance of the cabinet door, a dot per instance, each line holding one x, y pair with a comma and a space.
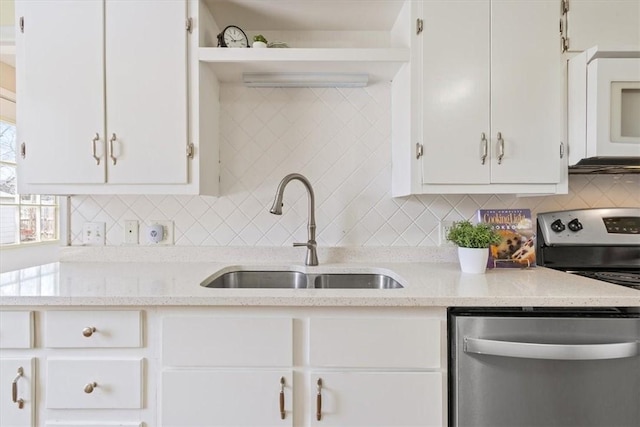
370, 399
455, 91
526, 91
146, 91
225, 398
60, 77
11, 414
608, 24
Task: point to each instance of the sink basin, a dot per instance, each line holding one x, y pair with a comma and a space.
297, 280
355, 281
259, 279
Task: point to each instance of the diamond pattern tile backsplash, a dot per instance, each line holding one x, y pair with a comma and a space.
339, 139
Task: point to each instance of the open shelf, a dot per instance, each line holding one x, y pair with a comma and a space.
229, 63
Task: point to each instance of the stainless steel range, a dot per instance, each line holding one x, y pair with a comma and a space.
602, 244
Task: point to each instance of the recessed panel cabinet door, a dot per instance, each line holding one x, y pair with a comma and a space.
455, 86
376, 399
60, 98
526, 92
146, 91
226, 398
21, 372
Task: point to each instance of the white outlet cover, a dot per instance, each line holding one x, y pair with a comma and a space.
131, 232
444, 229
94, 233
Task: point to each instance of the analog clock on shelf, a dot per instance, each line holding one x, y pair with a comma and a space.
232, 36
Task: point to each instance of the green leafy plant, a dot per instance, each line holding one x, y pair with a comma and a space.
467, 235
259, 38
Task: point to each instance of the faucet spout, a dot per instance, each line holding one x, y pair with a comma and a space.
276, 209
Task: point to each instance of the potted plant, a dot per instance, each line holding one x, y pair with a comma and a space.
473, 243
259, 41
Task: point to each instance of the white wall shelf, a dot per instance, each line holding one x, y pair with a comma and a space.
229, 63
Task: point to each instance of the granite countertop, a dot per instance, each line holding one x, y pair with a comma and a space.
430, 278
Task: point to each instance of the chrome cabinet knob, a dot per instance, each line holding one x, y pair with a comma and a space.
88, 331
89, 387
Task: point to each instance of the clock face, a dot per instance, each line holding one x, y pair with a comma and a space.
235, 37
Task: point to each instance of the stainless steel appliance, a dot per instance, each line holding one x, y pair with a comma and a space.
602, 244
544, 367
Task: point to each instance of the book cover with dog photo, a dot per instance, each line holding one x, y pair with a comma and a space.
518, 247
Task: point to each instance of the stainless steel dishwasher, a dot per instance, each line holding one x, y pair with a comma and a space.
548, 367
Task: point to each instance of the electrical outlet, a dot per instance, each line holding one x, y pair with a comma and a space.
131, 232
444, 230
93, 233
167, 233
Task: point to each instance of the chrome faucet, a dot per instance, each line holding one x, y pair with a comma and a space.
276, 209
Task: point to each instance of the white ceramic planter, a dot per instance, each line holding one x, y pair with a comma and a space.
473, 260
259, 44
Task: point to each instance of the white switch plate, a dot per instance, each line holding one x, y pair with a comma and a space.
168, 232
131, 232
444, 230
93, 233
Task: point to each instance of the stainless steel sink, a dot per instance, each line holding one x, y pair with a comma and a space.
297, 280
259, 279
355, 281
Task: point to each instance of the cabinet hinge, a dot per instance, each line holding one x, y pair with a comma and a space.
189, 25
564, 6
22, 24
419, 25
23, 150
419, 150
190, 150
565, 43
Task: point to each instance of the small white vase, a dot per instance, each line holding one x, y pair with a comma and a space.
259, 44
473, 260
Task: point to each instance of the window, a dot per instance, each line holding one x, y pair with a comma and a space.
23, 218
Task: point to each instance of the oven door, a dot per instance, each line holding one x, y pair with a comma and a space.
544, 371
613, 107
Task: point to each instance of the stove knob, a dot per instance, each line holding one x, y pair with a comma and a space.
557, 226
575, 225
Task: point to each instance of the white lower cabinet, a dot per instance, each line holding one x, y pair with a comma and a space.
227, 398
376, 399
302, 369
17, 397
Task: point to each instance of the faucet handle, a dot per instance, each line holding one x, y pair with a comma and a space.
310, 244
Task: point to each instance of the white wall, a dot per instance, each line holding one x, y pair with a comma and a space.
340, 140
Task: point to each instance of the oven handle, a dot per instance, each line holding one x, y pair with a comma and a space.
551, 351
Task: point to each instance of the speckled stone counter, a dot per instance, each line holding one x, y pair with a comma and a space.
430, 277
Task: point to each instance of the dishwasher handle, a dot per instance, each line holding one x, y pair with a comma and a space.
551, 351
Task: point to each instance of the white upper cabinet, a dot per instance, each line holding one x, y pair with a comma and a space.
485, 90
103, 97
608, 24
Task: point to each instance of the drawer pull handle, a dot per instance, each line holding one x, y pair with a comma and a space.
88, 331
319, 400
113, 139
14, 389
282, 412
89, 387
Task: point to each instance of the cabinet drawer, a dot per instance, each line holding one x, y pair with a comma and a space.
375, 342
225, 341
16, 329
92, 329
118, 383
